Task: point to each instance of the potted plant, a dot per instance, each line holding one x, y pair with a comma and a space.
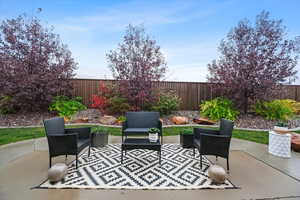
281, 127
153, 134
99, 137
187, 138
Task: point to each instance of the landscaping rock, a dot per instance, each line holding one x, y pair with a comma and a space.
86, 115
108, 120
203, 121
180, 120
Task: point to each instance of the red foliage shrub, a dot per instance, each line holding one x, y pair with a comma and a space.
99, 102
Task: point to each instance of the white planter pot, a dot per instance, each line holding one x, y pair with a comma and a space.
153, 137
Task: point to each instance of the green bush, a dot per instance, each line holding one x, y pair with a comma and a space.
274, 110
66, 107
167, 103
218, 108
118, 105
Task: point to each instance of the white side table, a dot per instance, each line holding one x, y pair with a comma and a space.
280, 144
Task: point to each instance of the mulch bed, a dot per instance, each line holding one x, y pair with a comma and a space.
33, 119
24, 119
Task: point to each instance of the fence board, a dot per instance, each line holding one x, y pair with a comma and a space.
191, 93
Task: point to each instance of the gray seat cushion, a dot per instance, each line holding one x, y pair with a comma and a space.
136, 130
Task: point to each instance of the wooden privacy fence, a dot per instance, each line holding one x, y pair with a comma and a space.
191, 93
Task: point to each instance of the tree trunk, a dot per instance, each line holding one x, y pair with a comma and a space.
245, 102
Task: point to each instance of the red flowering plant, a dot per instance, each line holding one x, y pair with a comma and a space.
100, 101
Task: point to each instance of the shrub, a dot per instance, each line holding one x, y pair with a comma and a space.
118, 105
121, 118
218, 108
293, 104
167, 103
274, 110
66, 107
99, 102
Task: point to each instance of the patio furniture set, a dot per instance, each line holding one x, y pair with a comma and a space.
71, 141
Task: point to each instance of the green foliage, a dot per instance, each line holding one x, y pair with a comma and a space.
274, 110
218, 108
6, 107
167, 103
99, 129
66, 107
187, 132
154, 130
121, 118
295, 106
118, 105
282, 124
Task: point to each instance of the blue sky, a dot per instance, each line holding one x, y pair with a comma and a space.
188, 32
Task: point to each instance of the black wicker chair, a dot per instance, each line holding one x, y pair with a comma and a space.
138, 123
66, 141
214, 142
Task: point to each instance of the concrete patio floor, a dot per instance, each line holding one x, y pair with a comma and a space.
258, 174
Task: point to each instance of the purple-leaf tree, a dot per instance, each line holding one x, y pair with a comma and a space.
136, 63
35, 66
255, 60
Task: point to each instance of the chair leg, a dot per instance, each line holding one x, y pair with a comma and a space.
227, 164
200, 161
121, 156
194, 152
159, 152
216, 158
50, 161
89, 151
76, 161
66, 156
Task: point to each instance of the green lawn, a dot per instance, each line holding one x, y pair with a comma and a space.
10, 135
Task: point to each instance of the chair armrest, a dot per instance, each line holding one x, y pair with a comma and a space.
83, 133
62, 144
200, 131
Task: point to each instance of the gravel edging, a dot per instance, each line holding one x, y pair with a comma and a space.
164, 126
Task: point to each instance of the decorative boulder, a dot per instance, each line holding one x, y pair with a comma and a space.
179, 120
82, 120
57, 172
203, 121
217, 174
107, 119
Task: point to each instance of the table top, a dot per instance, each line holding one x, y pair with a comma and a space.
140, 141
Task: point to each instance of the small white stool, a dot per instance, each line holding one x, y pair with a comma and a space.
280, 144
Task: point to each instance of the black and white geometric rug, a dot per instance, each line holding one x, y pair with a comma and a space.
140, 170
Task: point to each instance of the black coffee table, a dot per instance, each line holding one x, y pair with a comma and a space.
141, 143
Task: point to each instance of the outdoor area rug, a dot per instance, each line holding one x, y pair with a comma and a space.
140, 170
